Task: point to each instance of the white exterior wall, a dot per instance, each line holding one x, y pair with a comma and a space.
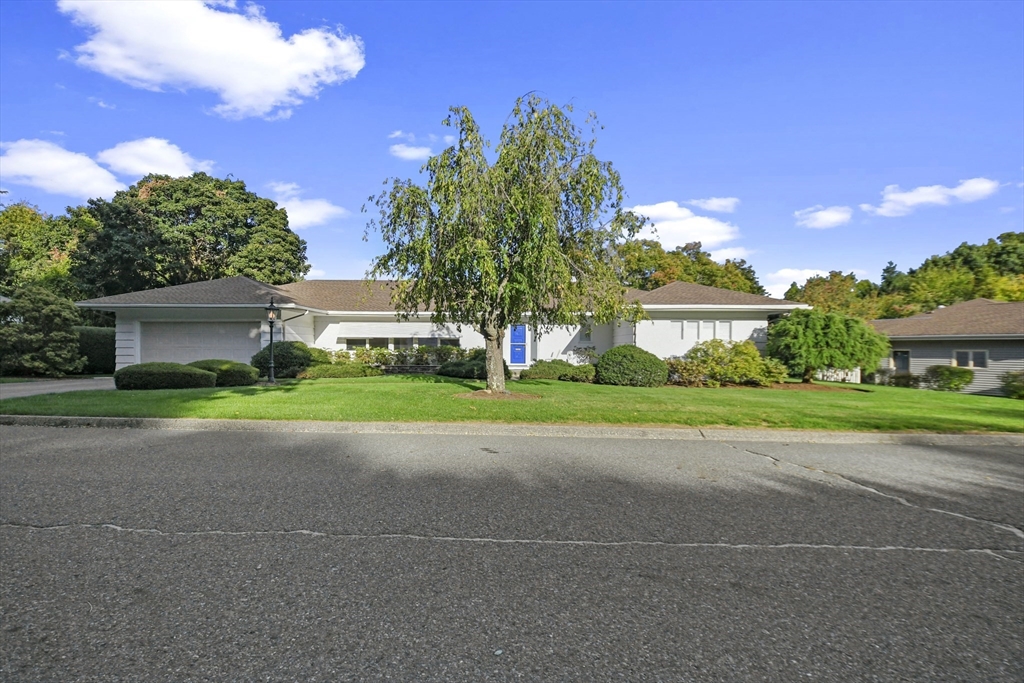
292, 329
664, 335
560, 342
327, 330
126, 346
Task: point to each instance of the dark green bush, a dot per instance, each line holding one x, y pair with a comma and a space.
163, 376
469, 369
229, 373
579, 373
290, 358
631, 366
97, 344
905, 380
1013, 384
947, 377
546, 369
339, 370
37, 334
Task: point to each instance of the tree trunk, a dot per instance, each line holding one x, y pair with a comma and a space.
808, 375
493, 338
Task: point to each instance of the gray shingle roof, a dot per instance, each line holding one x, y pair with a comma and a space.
368, 296
970, 318
688, 293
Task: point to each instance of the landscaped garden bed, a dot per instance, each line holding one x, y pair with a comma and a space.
430, 398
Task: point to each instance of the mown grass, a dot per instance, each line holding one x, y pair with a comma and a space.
432, 399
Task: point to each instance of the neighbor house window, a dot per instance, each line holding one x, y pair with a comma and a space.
901, 361
970, 359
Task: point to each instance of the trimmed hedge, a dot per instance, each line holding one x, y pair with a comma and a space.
947, 377
319, 356
97, 345
229, 373
546, 369
290, 358
469, 369
579, 373
163, 376
631, 366
340, 370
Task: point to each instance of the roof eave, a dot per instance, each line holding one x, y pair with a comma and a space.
942, 337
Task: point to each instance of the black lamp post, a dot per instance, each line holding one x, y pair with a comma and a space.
272, 312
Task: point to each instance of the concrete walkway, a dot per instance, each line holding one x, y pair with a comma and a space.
56, 386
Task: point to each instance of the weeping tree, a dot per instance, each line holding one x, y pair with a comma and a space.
811, 340
531, 235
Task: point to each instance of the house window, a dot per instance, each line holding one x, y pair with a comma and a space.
379, 343
403, 342
707, 329
355, 344
690, 328
450, 342
585, 333
970, 359
725, 330
428, 341
901, 361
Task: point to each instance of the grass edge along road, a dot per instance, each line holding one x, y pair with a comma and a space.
407, 398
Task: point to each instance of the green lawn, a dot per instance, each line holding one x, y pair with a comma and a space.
431, 399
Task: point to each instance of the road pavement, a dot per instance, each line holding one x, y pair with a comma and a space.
54, 386
202, 555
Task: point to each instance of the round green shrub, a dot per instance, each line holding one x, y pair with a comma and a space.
947, 377
631, 366
1013, 384
97, 344
320, 356
229, 373
288, 356
546, 369
340, 370
163, 376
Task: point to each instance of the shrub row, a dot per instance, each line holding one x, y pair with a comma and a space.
560, 370
339, 370
229, 373
1013, 384
714, 362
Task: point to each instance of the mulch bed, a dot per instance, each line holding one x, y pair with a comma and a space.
488, 396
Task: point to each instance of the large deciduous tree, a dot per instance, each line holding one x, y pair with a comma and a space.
169, 231
646, 265
811, 340
37, 334
531, 234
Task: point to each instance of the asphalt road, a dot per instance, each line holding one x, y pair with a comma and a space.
169, 555
54, 386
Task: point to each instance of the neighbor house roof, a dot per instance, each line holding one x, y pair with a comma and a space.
375, 296
688, 293
979, 317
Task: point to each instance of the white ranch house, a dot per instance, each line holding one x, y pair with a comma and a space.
225, 319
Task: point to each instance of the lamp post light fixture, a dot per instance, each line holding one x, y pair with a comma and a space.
272, 313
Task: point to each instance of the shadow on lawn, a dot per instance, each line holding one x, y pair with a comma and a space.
470, 384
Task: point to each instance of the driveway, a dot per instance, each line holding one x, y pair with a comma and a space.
140, 554
56, 386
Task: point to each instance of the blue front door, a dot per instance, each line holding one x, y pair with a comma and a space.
518, 344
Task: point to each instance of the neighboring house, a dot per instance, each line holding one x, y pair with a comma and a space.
984, 335
226, 319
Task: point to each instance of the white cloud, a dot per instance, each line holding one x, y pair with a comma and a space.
409, 153
101, 104
778, 282
675, 226
304, 213
721, 255
896, 202
151, 155
51, 168
239, 55
822, 217
718, 204
449, 139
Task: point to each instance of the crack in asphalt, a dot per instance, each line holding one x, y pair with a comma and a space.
778, 462
992, 552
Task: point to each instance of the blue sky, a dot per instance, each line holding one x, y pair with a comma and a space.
807, 137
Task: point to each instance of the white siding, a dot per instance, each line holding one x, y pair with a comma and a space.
561, 342
673, 334
328, 329
125, 343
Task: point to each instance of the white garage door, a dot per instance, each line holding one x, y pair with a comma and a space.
185, 342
